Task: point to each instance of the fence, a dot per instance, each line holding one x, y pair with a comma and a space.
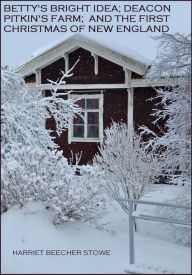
132, 216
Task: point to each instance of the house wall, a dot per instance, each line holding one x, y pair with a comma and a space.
115, 100
30, 79
53, 71
143, 108
115, 108
83, 72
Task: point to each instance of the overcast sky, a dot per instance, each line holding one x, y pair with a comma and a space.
18, 47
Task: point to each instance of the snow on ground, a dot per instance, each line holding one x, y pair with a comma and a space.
30, 228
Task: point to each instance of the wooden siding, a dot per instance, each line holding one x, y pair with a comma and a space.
83, 73
143, 108
53, 71
115, 108
30, 79
115, 100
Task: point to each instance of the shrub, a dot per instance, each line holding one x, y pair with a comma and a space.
128, 167
31, 174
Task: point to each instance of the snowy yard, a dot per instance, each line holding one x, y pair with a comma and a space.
31, 228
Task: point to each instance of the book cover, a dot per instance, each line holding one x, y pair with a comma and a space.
96, 119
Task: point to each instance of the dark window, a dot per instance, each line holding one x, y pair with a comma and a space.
86, 125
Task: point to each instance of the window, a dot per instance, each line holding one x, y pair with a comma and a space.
87, 127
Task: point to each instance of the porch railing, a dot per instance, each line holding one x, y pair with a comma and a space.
133, 216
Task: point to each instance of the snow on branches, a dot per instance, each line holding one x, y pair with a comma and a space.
173, 59
24, 112
128, 167
32, 169
31, 174
173, 63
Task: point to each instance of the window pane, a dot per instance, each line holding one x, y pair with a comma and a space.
93, 103
78, 119
93, 117
93, 131
81, 103
78, 130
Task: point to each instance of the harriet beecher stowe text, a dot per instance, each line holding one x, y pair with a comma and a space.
58, 252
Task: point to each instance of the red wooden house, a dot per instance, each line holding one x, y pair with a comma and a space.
108, 79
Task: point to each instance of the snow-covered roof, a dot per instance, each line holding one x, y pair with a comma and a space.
108, 43
109, 49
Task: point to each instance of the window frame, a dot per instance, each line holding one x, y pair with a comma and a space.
99, 110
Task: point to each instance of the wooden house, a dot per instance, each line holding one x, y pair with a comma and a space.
108, 79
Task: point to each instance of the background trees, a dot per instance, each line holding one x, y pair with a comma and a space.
173, 63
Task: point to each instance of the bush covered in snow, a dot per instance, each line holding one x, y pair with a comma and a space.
30, 174
128, 167
30, 170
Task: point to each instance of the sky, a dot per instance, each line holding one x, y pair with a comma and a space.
17, 47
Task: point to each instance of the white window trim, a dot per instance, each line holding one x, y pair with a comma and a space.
70, 130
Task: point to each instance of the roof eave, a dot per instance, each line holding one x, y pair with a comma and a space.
69, 45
